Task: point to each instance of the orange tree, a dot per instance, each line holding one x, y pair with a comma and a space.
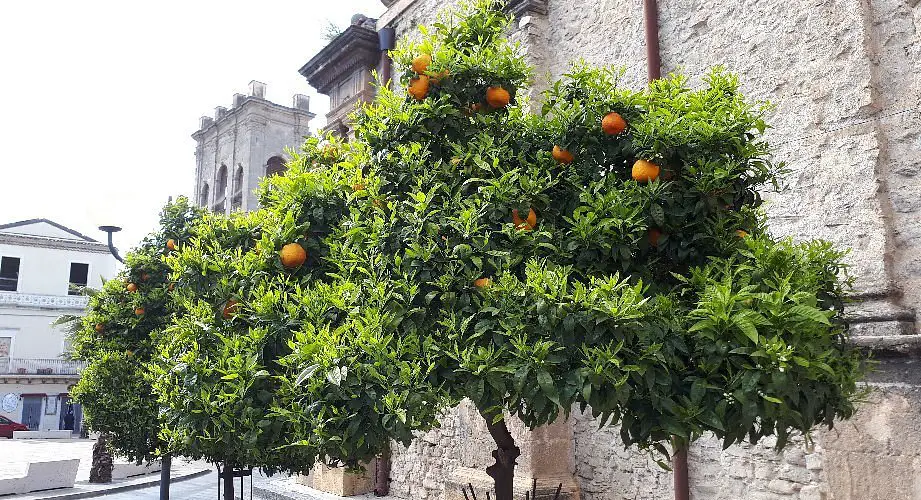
117, 340
607, 252
249, 286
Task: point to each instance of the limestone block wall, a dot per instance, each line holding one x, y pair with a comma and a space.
844, 77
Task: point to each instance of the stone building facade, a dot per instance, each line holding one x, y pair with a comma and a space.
43, 269
241, 145
844, 76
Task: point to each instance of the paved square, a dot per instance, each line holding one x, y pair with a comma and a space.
16, 454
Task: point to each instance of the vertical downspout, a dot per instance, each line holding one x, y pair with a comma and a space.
386, 38
653, 59
654, 72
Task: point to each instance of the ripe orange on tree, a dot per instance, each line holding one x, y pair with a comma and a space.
171, 287
292, 255
654, 235
613, 124
527, 224
419, 87
482, 283
741, 234
562, 156
131, 287
645, 171
171, 244
421, 63
139, 311
497, 97
100, 328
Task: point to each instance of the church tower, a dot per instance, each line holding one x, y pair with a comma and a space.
241, 145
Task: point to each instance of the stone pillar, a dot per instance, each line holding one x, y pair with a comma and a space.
531, 30
546, 456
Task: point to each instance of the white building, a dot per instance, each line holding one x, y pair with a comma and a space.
42, 267
241, 145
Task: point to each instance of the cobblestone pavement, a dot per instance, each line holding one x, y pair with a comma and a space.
15, 454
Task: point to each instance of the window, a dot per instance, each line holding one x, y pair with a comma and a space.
203, 200
78, 276
9, 274
275, 166
237, 201
220, 185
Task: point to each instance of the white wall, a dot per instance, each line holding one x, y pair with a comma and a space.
47, 270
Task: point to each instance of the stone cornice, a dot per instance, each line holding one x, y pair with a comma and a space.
355, 47
57, 244
247, 108
394, 10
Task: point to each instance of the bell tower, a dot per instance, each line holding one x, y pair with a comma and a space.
239, 146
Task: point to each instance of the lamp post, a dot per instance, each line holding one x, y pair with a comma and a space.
166, 461
109, 230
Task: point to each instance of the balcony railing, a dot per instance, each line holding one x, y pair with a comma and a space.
43, 301
25, 366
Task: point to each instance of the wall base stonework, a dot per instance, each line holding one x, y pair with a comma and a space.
338, 480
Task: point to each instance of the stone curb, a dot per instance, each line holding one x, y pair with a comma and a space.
269, 494
121, 487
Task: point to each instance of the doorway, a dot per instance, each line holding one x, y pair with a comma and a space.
32, 411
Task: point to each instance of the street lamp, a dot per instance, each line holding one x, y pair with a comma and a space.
166, 461
109, 230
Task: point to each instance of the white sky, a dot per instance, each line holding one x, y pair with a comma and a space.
100, 98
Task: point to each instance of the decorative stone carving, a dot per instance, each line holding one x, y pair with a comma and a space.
342, 70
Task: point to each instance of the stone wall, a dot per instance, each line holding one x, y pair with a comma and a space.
843, 75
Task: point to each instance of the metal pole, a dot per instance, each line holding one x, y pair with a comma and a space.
166, 462
653, 58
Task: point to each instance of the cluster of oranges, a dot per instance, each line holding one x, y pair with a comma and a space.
419, 84
614, 124
497, 97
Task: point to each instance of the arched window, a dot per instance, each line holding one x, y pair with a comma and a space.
237, 201
220, 190
203, 196
220, 185
275, 166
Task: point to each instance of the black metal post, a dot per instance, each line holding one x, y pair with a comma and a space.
166, 463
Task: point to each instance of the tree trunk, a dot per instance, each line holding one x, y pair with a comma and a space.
101, 469
680, 470
382, 473
228, 482
503, 471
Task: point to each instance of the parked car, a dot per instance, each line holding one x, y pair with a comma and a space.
7, 427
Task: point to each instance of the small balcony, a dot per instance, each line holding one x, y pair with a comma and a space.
41, 301
38, 366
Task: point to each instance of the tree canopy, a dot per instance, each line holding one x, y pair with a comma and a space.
607, 250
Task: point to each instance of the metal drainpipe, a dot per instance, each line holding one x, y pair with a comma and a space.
654, 72
653, 59
387, 39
